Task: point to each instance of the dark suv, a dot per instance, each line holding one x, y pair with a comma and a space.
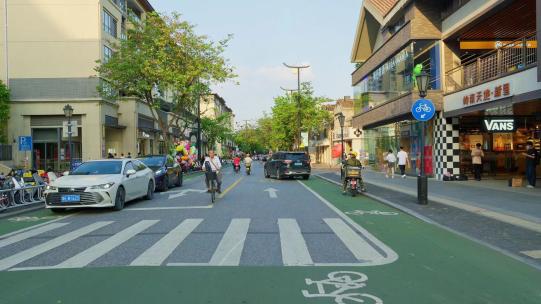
288, 164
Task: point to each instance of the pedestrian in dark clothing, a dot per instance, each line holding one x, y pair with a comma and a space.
110, 155
129, 154
532, 160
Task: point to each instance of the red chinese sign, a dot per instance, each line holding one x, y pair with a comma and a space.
489, 94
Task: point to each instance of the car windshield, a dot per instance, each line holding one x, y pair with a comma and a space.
296, 156
153, 161
98, 168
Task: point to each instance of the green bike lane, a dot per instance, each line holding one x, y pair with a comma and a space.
434, 266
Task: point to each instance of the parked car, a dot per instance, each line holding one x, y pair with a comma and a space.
168, 172
288, 164
101, 184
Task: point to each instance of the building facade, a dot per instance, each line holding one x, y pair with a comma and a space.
214, 106
476, 66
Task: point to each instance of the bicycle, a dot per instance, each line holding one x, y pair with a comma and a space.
423, 107
213, 185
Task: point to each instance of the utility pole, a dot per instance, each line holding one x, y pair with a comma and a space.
198, 119
299, 118
6, 53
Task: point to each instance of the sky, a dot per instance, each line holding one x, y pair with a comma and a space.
266, 34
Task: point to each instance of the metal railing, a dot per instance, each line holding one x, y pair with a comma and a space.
514, 56
11, 198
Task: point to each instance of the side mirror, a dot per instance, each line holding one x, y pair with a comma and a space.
66, 173
130, 172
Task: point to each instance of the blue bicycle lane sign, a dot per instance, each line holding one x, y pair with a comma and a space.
423, 110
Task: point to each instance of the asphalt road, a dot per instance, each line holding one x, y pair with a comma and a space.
263, 241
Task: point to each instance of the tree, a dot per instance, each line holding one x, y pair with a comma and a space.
4, 111
163, 55
216, 129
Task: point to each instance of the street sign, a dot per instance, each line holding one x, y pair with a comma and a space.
74, 129
25, 143
423, 110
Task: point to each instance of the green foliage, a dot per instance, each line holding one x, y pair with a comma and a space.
163, 55
4, 111
216, 129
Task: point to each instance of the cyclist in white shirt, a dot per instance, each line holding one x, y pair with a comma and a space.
213, 163
391, 161
403, 160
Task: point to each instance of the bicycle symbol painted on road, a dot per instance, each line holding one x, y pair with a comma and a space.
342, 286
371, 212
423, 107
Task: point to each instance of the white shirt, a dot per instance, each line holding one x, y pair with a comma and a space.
215, 164
248, 161
391, 158
402, 157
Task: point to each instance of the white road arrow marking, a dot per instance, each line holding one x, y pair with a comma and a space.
272, 192
184, 192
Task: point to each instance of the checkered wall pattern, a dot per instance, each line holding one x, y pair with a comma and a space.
447, 148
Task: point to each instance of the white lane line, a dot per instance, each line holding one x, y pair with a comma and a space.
56, 242
155, 255
93, 253
25, 235
362, 250
390, 255
294, 249
535, 254
230, 248
169, 208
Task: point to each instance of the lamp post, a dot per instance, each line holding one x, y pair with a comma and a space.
299, 119
422, 181
68, 112
341, 121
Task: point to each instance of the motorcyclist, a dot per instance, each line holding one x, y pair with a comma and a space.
353, 162
236, 162
248, 161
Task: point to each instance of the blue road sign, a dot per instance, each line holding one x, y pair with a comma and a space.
25, 143
423, 110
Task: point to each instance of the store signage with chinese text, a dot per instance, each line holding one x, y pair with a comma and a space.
488, 94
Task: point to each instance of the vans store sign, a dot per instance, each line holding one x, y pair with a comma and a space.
499, 124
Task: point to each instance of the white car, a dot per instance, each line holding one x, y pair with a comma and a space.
101, 184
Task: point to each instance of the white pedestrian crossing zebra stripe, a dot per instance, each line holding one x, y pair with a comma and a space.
229, 251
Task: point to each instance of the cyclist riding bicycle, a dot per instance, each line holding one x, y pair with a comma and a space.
354, 162
212, 164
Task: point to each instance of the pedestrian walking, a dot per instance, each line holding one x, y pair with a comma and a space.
110, 155
477, 161
129, 154
532, 160
403, 160
391, 162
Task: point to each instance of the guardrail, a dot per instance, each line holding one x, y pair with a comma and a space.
514, 56
12, 198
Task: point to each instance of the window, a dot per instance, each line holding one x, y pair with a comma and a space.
109, 24
139, 166
129, 166
107, 53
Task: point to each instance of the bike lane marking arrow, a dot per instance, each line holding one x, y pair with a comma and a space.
184, 192
271, 192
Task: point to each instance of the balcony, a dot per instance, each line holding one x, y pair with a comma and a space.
513, 57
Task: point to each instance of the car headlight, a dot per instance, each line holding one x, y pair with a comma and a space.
52, 188
160, 171
103, 186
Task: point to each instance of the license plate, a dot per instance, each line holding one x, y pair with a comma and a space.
70, 198
298, 164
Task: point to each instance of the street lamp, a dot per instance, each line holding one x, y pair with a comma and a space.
422, 181
68, 112
299, 118
341, 121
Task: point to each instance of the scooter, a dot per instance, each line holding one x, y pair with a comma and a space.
248, 170
353, 180
236, 168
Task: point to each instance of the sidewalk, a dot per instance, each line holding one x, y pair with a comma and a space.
493, 195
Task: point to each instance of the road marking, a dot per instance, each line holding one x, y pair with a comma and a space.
56, 242
29, 234
388, 255
294, 249
536, 254
155, 255
169, 208
362, 250
342, 286
272, 192
35, 226
93, 253
230, 248
184, 192
230, 187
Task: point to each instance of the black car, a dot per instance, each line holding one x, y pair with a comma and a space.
168, 172
288, 164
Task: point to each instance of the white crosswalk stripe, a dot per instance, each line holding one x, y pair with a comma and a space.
294, 249
56, 242
31, 233
360, 248
91, 254
230, 248
156, 255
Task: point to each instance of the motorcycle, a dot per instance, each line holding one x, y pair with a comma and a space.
248, 169
236, 168
353, 180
